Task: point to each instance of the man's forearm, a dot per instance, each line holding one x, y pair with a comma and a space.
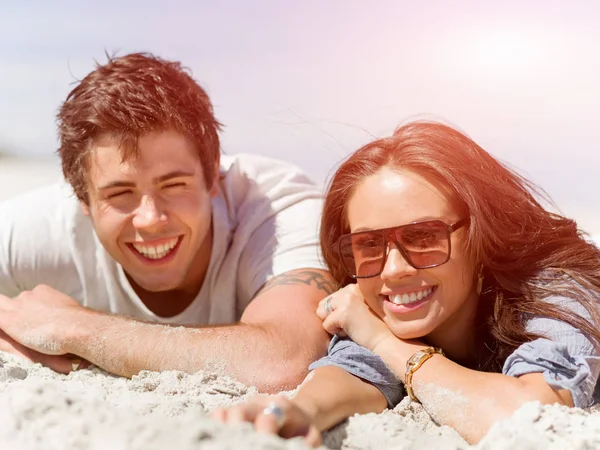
252, 354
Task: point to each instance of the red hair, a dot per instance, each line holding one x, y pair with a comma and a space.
126, 98
527, 253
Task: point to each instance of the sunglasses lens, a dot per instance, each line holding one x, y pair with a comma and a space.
425, 244
363, 253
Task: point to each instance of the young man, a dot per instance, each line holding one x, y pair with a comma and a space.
159, 253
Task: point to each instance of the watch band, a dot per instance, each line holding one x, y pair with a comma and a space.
413, 364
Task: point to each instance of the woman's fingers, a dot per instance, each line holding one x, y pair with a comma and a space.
273, 415
219, 414
241, 413
267, 423
313, 437
245, 412
331, 324
325, 307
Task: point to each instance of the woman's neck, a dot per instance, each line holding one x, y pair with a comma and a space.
457, 336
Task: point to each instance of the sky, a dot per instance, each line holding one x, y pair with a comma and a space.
312, 81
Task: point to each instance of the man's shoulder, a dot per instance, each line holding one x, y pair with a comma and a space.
248, 179
49, 212
42, 199
262, 171
43, 233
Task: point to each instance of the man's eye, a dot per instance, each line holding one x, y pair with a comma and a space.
118, 194
173, 185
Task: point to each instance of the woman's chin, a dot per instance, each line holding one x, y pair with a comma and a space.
408, 335
409, 331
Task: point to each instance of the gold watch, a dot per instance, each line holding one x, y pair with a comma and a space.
413, 363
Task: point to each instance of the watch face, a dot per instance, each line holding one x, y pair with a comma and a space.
418, 355
415, 358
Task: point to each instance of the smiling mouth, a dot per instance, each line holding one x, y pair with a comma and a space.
412, 297
156, 252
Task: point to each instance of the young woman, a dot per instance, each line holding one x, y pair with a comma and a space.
458, 289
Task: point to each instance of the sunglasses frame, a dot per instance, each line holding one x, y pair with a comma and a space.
387, 232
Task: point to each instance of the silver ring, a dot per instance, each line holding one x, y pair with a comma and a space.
275, 410
327, 305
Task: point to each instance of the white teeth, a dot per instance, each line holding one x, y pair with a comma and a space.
404, 299
156, 252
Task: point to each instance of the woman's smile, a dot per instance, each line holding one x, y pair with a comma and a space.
407, 301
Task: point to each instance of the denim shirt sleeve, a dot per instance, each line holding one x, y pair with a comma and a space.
362, 363
566, 357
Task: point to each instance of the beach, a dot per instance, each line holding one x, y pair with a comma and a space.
90, 409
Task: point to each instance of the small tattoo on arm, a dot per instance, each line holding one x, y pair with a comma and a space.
310, 277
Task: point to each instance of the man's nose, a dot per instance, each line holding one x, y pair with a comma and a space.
396, 266
149, 213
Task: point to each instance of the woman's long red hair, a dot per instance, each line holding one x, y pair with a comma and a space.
527, 253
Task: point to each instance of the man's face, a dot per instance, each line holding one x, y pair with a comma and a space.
153, 213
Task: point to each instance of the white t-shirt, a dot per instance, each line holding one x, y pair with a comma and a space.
265, 222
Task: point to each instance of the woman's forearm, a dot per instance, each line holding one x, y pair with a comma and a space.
329, 395
467, 400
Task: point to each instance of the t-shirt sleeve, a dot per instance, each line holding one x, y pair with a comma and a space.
33, 247
565, 356
284, 211
364, 364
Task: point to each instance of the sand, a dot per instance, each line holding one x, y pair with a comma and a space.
90, 409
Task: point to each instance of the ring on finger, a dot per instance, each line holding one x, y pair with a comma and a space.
276, 411
327, 305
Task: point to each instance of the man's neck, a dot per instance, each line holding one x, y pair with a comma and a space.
165, 303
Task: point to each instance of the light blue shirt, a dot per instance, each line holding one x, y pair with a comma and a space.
566, 357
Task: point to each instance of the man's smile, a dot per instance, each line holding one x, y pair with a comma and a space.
157, 250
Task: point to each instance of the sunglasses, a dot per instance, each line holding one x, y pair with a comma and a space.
422, 244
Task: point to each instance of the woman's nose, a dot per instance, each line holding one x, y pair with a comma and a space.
396, 265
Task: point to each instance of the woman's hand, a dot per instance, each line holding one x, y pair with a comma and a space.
345, 313
274, 414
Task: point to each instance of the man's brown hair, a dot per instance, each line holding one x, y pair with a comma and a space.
127, 98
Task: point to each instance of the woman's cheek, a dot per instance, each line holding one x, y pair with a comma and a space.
371, 296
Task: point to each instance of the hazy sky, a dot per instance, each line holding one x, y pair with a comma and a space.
311, 80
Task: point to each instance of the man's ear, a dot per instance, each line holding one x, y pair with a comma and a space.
85, 208
214, 189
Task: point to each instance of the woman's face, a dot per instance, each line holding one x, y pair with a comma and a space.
438, 303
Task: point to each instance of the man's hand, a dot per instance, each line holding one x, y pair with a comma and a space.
61, 364
345, 313
40, 320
